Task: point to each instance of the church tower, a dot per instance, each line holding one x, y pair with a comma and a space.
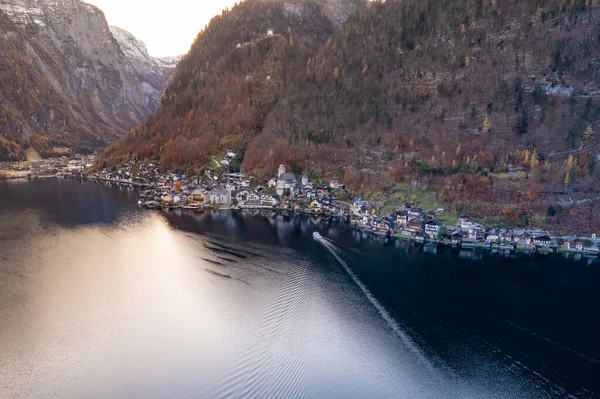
281, 170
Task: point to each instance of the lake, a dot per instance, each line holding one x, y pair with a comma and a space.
101, 299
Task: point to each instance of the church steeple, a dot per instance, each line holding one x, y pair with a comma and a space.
281, 170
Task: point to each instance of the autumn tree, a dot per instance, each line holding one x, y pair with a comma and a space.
487, 126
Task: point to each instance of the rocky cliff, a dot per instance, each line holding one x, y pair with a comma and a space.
102, 78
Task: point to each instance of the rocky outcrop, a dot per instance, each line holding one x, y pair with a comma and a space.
151, 71
104, 77
340, 10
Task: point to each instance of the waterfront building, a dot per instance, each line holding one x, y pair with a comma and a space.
220, 195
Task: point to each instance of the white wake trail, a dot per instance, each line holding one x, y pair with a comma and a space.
408, 342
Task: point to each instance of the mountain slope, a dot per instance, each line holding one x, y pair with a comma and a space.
97, 91
227, 84
491, 104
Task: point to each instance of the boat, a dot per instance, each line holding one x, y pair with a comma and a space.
317, 236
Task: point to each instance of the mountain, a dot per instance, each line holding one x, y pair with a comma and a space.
152, 71
68, 81
493, 105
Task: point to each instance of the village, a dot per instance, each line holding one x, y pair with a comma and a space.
50, 168
219, 188
288, 194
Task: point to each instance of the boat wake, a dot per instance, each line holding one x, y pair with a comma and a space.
408, 342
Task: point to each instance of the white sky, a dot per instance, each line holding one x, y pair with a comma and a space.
167, 27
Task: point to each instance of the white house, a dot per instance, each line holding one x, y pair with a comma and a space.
272, 183
268, 200
477, 232
493, 236
432, 229
231, 154
464, 223
305, 180
220, 195
522, 238
252, 199
270, 32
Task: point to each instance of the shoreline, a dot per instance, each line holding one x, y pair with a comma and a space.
345, 219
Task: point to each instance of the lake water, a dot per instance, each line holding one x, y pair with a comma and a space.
99, 299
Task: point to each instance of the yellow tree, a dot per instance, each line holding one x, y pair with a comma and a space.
534, 159
365, 69
487, 126
567, 179
336, 72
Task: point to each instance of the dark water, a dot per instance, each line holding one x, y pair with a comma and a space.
99, 299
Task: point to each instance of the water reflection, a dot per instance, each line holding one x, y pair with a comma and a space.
109, 301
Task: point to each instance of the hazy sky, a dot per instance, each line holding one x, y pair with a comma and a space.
168, 27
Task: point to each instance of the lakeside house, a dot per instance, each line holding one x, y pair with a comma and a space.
543, 241
522, 238
199, 198
269, 200
402, 218
575, 245
220, 195
415, 225
506, 237
456, 238
432, 229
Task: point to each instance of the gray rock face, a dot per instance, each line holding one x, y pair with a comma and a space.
151, 71
339, 10
105, 72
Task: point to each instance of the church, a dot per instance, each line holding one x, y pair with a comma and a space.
285, 181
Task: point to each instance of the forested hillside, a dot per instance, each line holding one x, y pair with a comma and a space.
493, 104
